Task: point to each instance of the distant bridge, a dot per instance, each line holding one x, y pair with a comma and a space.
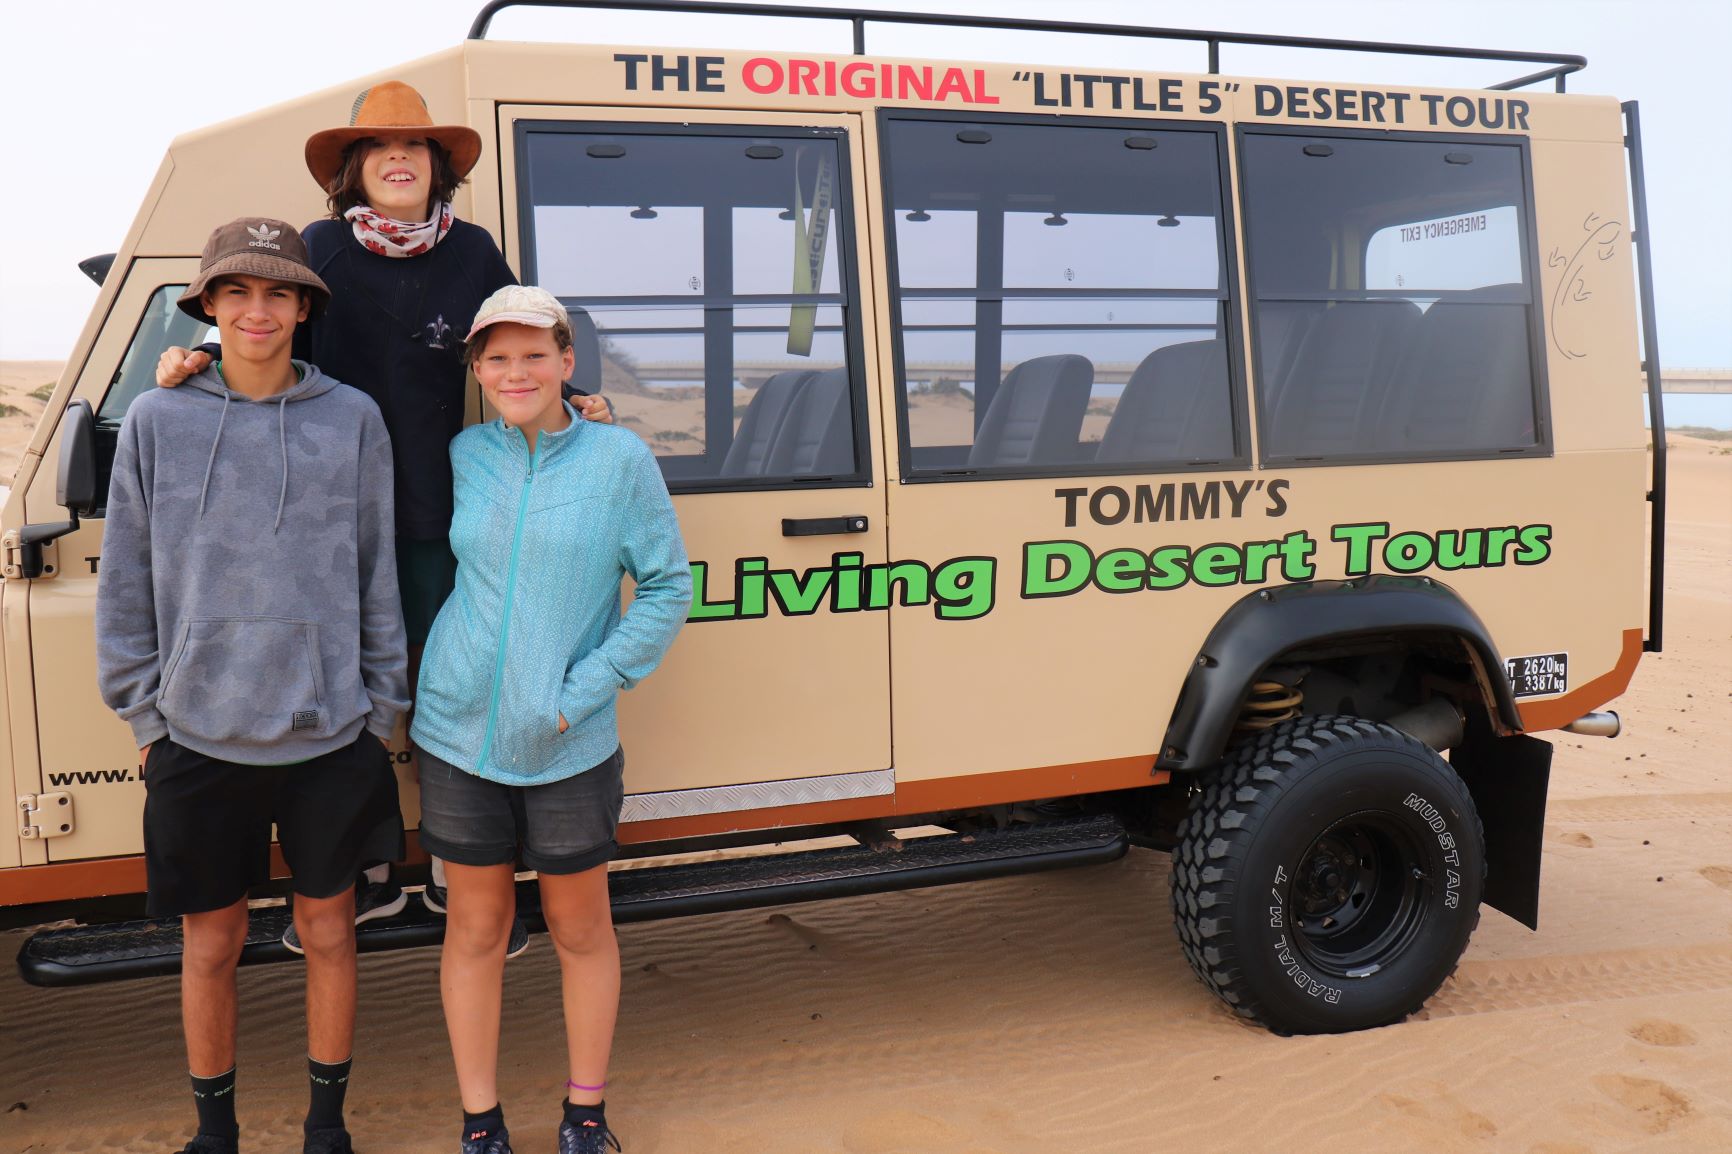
1694, 381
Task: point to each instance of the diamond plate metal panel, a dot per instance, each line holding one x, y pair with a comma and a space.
757, 795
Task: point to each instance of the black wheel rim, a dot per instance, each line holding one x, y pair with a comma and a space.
1358, 895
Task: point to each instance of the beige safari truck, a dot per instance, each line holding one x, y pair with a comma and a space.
1069, 460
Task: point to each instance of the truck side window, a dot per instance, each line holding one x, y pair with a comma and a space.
1060, 296
163, 326
715, 267
1393, 304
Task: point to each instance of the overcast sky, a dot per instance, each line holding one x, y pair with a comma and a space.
92, 91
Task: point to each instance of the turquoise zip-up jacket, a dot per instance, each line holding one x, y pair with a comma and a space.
534, 628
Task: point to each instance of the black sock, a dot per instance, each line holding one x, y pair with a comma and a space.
578, 1115
215, 1099
329, 1082
486, 1124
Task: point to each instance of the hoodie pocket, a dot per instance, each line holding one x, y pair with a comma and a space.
249, 679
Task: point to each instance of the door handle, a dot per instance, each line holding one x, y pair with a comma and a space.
818, 526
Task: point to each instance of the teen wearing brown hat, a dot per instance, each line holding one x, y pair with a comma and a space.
249, 630
406, 277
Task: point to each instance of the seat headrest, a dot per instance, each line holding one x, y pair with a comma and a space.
1036, 413
585, 351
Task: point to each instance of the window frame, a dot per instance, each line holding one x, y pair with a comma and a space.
849, 279
1541, 391
105, 429
1228, 296
131, 343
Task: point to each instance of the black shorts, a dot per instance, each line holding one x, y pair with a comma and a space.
563, 827
207, 823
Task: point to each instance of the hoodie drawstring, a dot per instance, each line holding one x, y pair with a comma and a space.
283, 444
308, 384
211, 464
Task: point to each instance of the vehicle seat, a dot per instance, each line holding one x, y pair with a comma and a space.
1176, 407
585, 350
749, 455
1468, 383
1036, 415
1332, 396
816, 436
1281, 327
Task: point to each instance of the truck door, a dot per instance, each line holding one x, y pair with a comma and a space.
714, 254
1065, 343
83, 748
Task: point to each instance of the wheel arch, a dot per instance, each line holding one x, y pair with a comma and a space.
1263, 627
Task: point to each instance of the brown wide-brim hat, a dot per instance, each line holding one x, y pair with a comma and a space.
379, 111
254, 246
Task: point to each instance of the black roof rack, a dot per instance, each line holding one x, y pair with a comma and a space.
1559, 64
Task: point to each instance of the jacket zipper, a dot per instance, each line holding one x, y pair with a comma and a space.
505, 615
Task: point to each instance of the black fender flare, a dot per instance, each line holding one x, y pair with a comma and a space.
1262, 626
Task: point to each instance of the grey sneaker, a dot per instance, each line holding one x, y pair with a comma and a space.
499, 1142
519, 940
373, 900
589, 1138
433, 897
332, 1141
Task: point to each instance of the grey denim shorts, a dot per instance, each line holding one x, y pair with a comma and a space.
563, 827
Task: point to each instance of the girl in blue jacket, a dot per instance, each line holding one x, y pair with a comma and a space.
514, 718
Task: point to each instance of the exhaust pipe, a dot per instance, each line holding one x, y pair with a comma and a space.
1602, 724
1438, 723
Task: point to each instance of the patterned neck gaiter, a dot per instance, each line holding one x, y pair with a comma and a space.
387, 237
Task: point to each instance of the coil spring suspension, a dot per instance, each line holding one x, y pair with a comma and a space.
1270, 703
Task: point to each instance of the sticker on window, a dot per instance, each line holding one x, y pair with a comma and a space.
1539, 675
811, 241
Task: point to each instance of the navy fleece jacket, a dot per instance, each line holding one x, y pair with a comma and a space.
396, 327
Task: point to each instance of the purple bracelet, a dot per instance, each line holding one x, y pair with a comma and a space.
589, 1089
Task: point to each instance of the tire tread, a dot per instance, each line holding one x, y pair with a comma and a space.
1216, 834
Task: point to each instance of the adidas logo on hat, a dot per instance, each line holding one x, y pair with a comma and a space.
264, 236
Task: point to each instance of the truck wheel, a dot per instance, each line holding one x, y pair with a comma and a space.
1328, 875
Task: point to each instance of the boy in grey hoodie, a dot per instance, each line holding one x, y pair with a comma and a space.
249, 630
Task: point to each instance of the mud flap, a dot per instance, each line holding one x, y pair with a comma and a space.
1508, 777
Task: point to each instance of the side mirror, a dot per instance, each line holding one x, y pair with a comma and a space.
76, 488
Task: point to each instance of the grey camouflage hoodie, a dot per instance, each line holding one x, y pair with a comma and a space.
247, 600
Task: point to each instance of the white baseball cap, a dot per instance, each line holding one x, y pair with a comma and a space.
521, 304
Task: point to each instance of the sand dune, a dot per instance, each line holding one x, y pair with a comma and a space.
1055, 1011
24, 389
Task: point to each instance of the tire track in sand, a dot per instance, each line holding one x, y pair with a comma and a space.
1653, 807
1521, 984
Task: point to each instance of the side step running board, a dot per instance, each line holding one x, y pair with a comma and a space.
82, 955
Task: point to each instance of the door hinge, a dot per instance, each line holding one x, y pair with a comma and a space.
23, 552
45, 815
11, 556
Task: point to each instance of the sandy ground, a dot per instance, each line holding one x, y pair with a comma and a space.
24, 389
1055, 1011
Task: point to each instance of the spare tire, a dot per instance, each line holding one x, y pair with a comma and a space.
1328, 875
